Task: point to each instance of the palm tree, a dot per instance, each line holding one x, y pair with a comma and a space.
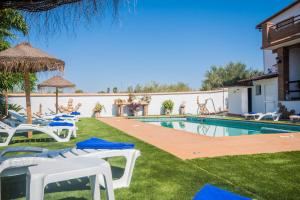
11, 22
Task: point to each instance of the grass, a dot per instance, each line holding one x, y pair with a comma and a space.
160, 175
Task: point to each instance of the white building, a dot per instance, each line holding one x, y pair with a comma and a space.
281, 79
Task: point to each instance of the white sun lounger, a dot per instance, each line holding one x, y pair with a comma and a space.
273, 115
252, 115
258, 116
22, 119
39, 176
295, 118
49, 130
42, 171
129, 154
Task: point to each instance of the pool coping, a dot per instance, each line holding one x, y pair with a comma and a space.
223, 118
186, 145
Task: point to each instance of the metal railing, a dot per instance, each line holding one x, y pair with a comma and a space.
293, 88
286, 23
284, 29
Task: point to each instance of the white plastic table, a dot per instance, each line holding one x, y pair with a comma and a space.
61, 170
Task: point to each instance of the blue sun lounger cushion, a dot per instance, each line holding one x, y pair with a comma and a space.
96, 143
75, 113
210, 192
252, 113
60, 124
57, 119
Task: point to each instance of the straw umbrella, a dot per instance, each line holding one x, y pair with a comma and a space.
57, 82
25, 59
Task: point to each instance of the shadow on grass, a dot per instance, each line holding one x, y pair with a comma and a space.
32, 140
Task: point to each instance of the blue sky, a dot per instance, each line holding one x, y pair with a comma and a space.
162, 40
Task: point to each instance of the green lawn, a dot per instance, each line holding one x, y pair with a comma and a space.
160, 175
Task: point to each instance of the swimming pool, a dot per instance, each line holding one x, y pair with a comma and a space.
215, 127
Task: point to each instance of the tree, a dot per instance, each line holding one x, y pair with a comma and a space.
156, 87
11, 22
115, 90
78, 91
230, 74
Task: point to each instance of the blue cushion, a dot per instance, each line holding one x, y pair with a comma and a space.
96, 143
57, 119
298, 114
75, 113
60, 124
252, 113
210, 192
67, 116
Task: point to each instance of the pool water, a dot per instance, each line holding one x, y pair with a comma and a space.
220, 127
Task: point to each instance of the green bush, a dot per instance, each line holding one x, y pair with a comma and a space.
168, 105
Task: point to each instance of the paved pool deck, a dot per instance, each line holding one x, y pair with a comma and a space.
186, 145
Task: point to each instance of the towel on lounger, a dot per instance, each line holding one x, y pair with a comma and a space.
210, 192
60, 124
96, 143
75, 113
252, 113
57, 119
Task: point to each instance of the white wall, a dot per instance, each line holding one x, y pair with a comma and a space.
88, 101
292, 105
238, 100
268, 100
269, 61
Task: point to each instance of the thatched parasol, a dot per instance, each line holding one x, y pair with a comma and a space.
57, 82
25, 59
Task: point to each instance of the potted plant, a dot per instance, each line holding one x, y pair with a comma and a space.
168, 106
98, 109
134, 107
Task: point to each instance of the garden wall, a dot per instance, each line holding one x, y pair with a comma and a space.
88, 101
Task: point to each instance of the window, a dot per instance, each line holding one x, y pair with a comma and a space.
258, 90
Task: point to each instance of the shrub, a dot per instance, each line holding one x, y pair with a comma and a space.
98, 107
168, 106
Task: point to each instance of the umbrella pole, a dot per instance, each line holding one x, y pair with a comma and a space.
56, 100
28, 104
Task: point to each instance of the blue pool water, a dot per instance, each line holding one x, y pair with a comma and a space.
221, 127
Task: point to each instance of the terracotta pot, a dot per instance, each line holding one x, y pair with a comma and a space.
97, 114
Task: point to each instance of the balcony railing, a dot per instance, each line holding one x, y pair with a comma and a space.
284, 30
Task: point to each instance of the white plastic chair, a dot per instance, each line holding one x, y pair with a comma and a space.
42, 171
129, 154
39, 176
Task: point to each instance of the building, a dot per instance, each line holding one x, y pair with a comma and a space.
281, 80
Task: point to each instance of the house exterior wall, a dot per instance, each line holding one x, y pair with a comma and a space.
268, 100
270, 63
88, 101
238, 100
292, 105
